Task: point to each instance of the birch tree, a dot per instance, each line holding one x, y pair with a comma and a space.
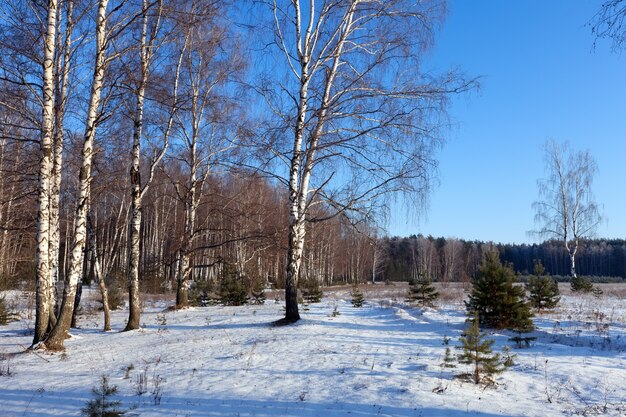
55, 339
566, 209
42, 257
62, 74
203, 122
363, 121
151, 21
610, 22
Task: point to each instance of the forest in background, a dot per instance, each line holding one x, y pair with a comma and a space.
454, 260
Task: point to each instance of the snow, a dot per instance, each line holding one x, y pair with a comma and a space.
381, 360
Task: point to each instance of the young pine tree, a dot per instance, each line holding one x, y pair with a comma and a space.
478, 354
422, 291
581, 284
233, 292
6, 315
102, 405
495, 298
543, 290
357, 297
312, 292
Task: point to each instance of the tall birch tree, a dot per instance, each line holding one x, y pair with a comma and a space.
566, 209
59, 333
204, 120
363, 120
42, 257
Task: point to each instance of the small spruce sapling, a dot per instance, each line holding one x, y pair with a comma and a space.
422, 291
357, 297
543, 290
102, 405
478, 354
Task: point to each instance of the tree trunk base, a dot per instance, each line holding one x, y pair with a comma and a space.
286, 321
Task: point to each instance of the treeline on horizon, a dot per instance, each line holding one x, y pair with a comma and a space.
457, 260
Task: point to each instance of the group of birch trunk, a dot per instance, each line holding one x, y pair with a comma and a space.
173, 137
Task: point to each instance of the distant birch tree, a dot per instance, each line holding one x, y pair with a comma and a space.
566, 209
204, 126
363, 120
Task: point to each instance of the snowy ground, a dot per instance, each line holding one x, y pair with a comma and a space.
380, 360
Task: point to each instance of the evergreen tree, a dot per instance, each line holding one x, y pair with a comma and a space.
495, 298
448, 359
312, 292
102, 405
422, 291
258, 294
543, 290
6, 316
581, 284
232, 289
357, 296
477, 353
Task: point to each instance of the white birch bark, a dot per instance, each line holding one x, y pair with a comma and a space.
62, 81
303, 151
43, 284
139, 189
61, 331
104, 292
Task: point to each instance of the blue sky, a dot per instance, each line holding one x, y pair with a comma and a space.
541, 78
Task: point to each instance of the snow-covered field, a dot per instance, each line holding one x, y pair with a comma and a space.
381, 360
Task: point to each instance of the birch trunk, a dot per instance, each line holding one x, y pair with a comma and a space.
134, 307
104, 292
60, 332
42, 256
62, 80
303, 151
147, 50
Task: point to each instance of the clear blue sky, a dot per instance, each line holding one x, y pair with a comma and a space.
541, 78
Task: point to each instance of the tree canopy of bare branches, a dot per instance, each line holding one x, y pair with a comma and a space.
566, 209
